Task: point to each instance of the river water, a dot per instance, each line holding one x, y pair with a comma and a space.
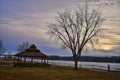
90, 65
83, 64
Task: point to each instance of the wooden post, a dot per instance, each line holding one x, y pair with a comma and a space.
14, 61
41, 60
18, 60
25, 59
44, 60
31, 60
37, 60
108, 67
47, 60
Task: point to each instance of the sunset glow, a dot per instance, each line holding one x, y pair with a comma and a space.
106, 47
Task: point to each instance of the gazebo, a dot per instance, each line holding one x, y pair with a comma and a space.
31, 55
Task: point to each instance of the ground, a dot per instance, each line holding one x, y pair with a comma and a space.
53, 73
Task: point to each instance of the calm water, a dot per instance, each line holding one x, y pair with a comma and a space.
91, 65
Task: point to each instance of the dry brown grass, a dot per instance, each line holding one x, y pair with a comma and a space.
54, 73
6, 62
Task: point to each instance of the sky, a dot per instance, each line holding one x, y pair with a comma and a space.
22, 20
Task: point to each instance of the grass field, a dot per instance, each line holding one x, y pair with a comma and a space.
54, 73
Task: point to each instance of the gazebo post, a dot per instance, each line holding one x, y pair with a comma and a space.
18, 60
31, 60
37, 59
47, 60
41, 60
14, 61
24, 59
44, 61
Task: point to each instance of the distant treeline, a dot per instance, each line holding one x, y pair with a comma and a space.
113, 59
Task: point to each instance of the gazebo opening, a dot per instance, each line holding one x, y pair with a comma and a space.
30, 57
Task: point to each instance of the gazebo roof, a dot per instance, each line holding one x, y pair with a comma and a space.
32, 51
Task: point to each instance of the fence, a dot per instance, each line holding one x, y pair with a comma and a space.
107, 67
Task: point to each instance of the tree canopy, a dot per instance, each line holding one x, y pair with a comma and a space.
75, 28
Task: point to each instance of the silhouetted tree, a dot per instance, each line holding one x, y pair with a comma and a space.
2, 49
23, 46
75, 28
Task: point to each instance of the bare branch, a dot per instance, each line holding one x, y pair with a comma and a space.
22, 47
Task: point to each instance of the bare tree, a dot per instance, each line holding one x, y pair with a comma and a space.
75, 28
2, 49
22, 47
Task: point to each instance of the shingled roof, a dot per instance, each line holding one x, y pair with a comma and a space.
32, 51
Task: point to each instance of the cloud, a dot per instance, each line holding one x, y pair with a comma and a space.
27, 20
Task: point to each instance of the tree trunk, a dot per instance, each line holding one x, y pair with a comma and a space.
76, 59
76, 64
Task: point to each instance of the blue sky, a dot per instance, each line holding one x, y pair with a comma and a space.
22, 20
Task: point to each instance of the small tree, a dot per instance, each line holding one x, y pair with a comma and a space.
74, 29
2, 49
22, 47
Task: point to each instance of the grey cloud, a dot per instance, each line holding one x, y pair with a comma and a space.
28, 20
